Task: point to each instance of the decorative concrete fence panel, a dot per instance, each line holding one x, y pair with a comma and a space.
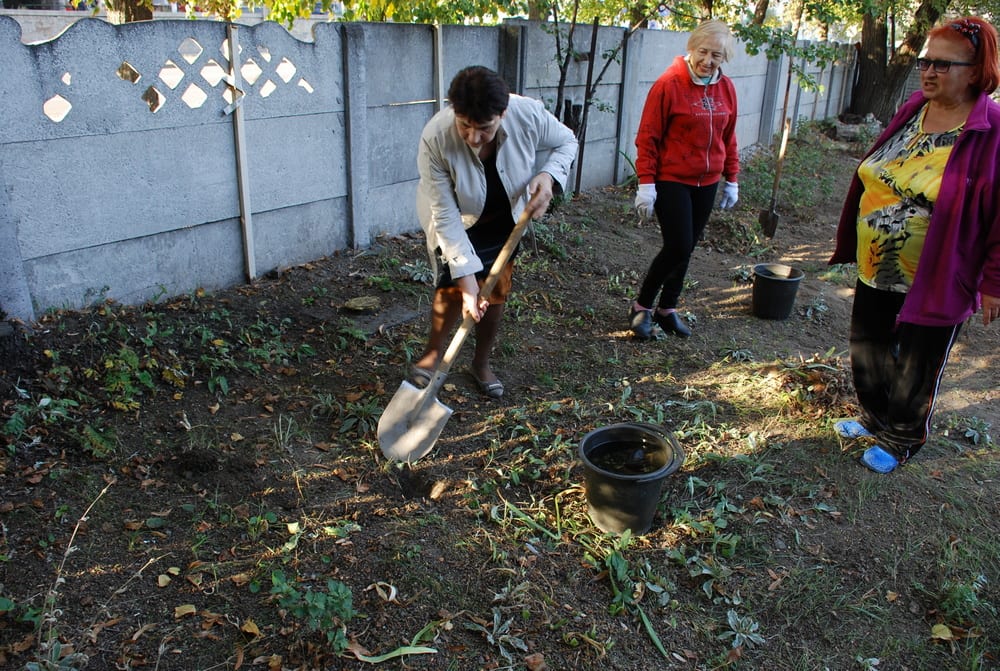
154, 158
116, 184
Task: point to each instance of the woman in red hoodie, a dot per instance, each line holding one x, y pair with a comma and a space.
686, 145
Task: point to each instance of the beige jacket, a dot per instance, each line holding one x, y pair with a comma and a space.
452, 189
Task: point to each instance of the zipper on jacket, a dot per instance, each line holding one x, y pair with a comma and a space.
711, 132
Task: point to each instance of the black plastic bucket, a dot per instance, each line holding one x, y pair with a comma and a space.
624, 469
774, 289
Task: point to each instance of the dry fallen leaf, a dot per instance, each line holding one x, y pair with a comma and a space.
186, 609
385, 591
95, 630
162, 580
142, 630
362, 303
438, 490
535, 662
250, 627
942, 632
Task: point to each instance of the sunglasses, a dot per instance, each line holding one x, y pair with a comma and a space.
924, 64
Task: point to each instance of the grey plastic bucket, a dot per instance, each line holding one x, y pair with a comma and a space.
774, 289
625, 466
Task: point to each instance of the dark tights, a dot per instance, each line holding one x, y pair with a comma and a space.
683, 212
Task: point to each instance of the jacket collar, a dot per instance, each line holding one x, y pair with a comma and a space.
696, 80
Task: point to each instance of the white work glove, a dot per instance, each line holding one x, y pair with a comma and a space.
730, 194
644, 200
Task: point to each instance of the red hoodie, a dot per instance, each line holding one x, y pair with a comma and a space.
688, 131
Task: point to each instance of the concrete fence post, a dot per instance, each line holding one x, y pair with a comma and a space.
772, 89
15, 297
356, 105
242, 170
629, 104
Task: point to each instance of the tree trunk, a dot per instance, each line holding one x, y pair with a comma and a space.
760, 12
127, 11
878, 86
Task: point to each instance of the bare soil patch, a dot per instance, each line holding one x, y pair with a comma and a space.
218, 439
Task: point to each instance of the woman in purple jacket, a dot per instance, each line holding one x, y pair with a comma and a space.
922, 222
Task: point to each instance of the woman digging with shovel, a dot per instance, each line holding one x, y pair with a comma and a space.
489, 158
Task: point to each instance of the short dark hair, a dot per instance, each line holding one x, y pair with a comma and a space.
478, 94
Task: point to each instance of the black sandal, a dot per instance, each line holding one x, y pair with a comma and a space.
492, 389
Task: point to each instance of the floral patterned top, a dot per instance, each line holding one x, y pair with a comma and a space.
901, 181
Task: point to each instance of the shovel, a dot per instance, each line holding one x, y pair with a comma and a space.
413, 420
768, 219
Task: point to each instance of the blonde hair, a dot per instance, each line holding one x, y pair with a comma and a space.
717, 29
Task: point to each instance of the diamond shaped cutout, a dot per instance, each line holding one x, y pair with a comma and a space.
224, 49
194, 97
171, 74
267, 89
285, 70
56, 108
251, 72
67, 78
229, 95
212, 72
265, 53
190, 50
127, 73
306, 85
154, 99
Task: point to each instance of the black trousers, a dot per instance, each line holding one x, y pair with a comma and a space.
897, 369
683, 212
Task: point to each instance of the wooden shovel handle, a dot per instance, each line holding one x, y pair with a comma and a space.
780, 162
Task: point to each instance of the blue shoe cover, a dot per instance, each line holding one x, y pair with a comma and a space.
850, 428
879, 460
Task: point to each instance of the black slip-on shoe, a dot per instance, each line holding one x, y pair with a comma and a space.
672, 323
641, 323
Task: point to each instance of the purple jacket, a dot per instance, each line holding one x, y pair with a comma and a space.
961, 255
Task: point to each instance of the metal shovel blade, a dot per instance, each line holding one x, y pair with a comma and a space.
411, 423
768, 221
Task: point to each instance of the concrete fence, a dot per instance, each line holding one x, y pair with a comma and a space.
154, 158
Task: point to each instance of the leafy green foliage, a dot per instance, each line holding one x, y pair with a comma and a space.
742, 630
498, 633
124, 375
962, 602
782, 41
45, 411
320, 610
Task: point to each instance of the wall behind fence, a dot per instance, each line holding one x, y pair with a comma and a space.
137, 162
